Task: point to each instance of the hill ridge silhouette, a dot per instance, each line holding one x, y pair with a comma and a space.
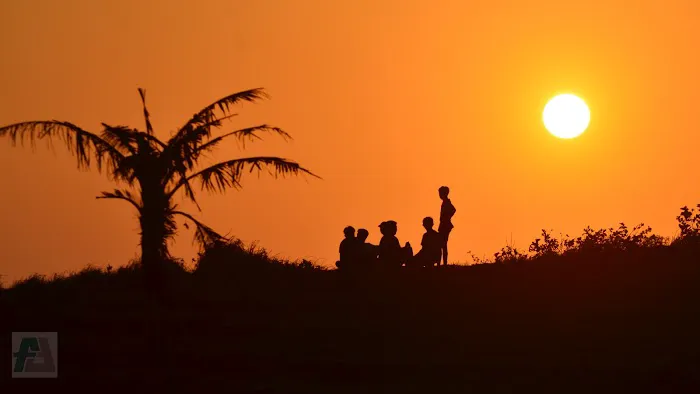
616, 313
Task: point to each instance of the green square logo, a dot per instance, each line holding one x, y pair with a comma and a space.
34, 355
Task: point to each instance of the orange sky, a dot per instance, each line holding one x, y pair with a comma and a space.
387, 100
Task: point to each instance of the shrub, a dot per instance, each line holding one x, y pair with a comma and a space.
549, 245
689, 224
509, 254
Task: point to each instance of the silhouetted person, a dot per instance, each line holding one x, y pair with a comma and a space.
447, 210
431, 246
362, 235
390, 252
407, 253
348, 249
367, 253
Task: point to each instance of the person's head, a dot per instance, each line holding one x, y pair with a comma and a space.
428, 223
388, 228
362, 234
349, 232
444, 191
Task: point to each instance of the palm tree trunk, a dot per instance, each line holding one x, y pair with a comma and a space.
154, 250
151, 254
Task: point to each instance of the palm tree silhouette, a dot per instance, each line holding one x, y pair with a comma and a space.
157, 170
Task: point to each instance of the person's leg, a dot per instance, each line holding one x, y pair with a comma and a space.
445, 238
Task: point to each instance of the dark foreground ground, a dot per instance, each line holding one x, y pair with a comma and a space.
619, 322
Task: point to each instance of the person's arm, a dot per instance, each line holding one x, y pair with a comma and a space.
452, 210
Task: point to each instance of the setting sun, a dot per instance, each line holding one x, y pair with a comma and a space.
566, 116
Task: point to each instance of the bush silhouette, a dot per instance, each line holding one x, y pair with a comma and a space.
602, 240
689, 224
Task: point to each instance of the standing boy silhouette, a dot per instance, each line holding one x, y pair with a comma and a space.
447, 210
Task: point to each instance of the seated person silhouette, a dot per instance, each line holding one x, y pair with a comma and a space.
391, 254
407, 253
367, 253
348, 249
431, 246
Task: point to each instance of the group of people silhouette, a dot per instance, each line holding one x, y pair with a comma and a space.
357, 253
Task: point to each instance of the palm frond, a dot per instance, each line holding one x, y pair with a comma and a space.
83, 144
249, 133
208, 116
157, 143
128, 169
146, 115
122, 195
188, 157
121, 137
189, 193
129, 140
198, 128
204, 235
222, 176
170, 226
192, 136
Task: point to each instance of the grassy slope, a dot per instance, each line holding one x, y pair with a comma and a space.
615, 319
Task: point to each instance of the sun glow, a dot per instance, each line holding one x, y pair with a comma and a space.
566, 116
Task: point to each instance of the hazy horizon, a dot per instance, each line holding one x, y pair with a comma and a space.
386, 101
